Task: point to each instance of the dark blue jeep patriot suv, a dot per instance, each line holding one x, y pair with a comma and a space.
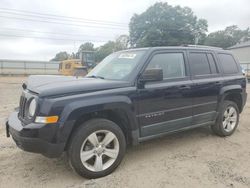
130, 97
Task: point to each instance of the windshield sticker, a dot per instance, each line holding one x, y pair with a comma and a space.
127, 56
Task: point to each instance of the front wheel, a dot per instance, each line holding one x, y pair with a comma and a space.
228, 119
96, 148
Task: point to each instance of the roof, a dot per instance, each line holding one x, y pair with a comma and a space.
189, 47
184, 47
240, 45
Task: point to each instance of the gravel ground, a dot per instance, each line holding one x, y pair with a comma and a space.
194, 158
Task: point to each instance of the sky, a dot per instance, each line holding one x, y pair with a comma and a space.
64, 25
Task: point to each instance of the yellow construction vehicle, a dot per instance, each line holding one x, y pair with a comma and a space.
78, 67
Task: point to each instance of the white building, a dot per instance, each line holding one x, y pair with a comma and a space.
241, 51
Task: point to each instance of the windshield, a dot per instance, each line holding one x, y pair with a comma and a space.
117, 66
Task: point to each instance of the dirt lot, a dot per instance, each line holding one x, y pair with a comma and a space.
195, 158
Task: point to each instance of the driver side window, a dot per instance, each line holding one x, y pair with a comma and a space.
172, 64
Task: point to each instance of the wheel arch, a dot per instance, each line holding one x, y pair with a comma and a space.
120, 112
232, 93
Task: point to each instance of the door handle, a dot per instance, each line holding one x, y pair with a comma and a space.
185, 87
218, 83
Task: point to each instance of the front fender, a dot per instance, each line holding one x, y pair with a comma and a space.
77, 109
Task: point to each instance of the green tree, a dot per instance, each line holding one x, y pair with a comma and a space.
121, 43
73, 56
227, 37
87, 46
104, 50
163, 24
200, 31
61, 56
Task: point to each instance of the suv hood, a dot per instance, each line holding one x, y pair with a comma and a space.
64, 85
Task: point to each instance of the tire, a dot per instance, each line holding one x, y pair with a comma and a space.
227, 120
96, 148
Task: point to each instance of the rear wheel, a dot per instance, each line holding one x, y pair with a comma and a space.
228, 119
96, 148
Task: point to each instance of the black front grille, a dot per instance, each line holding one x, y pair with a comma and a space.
22, 107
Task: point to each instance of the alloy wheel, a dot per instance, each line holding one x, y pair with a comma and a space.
99, 150
229, 119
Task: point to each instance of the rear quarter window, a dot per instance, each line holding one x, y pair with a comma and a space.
228, 64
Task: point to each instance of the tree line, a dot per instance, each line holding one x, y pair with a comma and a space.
165, 25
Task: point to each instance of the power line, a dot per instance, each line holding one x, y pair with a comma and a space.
62, 19
60, 39
49, 38
60, 23
59, 16
53, 33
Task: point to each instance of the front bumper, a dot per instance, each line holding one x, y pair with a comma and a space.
37, 138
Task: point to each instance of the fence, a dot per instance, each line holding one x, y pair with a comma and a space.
18, 67
245, 65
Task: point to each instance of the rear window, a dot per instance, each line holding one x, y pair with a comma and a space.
228, 64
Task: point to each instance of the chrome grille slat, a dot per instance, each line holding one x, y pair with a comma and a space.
22, 104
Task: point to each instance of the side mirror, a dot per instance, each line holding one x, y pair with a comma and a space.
150, 75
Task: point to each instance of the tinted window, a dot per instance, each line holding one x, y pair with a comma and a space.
228, 64
199, 64
212, 64
172, 64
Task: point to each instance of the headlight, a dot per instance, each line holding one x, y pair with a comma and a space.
32, 108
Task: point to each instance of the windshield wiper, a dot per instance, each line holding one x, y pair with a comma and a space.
93, 76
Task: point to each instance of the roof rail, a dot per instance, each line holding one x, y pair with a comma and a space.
202, 46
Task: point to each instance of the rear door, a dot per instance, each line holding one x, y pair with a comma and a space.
207, 82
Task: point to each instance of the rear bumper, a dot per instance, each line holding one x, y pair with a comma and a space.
244, 100
33, 139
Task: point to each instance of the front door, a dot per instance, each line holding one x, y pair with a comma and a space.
165, 106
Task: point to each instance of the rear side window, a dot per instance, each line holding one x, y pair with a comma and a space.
228, 64
212, 63
199, 64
